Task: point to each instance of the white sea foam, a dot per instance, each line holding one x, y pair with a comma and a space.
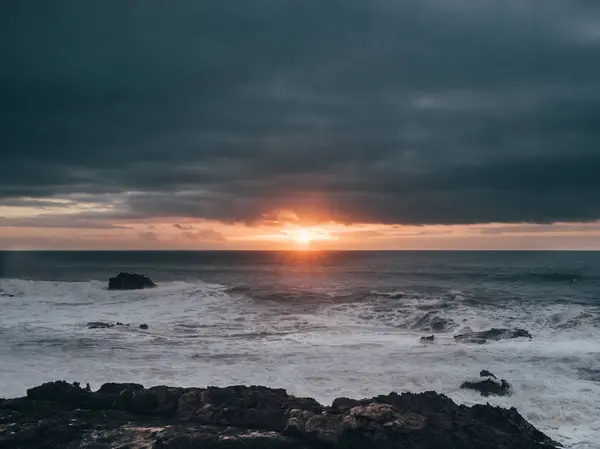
203, 334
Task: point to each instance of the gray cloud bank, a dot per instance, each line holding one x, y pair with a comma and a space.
437, 111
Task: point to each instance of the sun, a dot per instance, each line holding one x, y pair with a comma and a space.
302, 237
306, 238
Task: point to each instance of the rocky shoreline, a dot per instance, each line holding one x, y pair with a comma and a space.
129, 416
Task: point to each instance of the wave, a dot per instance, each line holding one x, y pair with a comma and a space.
567, 317
541, 277
433, 322
291, 296
24, 288
423, 314
392, 295
591, 374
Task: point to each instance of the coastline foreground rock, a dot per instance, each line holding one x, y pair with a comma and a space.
63, 415
130, 281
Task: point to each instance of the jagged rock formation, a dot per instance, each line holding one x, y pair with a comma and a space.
130, 281
491, 334
63, 415
103, 325
490, 385
99, 325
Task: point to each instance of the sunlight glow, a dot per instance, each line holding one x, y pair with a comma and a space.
304, 237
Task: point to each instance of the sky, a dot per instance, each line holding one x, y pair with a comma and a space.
296, 124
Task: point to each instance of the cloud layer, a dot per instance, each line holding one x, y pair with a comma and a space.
379, 111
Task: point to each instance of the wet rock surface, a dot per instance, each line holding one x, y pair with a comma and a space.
130, 281
490, 385
63, 415
486, 373
428, 339
99, 325
493, 334
104, 325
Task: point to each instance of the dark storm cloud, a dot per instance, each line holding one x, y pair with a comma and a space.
32, 202
76, 221
540, 229
440, 111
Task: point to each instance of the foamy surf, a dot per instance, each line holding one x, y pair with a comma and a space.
316, 335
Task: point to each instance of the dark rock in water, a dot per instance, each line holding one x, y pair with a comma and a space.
492, 334
431, 321
143, 326
102, 325
99, 325
130, 281
486, 373
7, 295
475, 341
428, 339
489, 386
62, 415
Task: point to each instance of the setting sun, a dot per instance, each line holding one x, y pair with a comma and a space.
302, 237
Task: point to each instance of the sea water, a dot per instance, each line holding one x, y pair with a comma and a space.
320, 324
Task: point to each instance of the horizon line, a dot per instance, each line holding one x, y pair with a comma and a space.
304, 250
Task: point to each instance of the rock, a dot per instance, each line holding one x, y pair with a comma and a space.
475, 341
492, 334
363, 416
257, 407
130, 281
99, 325
62, 392
60, 414
430, 338
144, 326
117, 389
7, 295
486, 373
161, 400
489, 386
340, 405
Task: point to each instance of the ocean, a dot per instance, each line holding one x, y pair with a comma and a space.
320, 324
